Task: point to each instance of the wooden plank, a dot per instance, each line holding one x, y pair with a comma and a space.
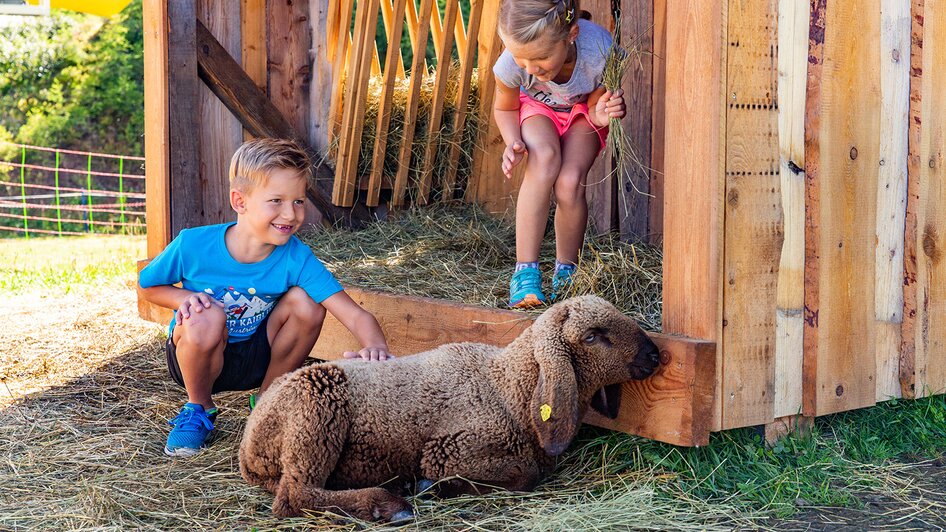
223, 75
412, 26
930, 339
672, 406
387, 14
220, 133
253, 42
891, 193
320, 99
467, 63
434, 125
601, 187
692, 192
341, 41
157, 178
908, 327
289, 69
753, 229
637, 33
659, 118
488, 186
459, 33
436, 30
793, 20
391, 67
187, 195
355, 89
413, 99
844, 362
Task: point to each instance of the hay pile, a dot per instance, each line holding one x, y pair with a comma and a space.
459, 253
84, 451
443, 139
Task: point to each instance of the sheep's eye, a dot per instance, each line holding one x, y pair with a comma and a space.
591, 338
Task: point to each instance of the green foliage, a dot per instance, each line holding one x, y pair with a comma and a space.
72, 81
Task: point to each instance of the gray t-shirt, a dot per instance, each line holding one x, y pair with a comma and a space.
593, 43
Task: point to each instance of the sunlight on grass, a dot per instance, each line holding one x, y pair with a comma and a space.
68, 263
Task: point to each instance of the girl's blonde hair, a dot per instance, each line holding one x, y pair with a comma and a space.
254, 160
524, 21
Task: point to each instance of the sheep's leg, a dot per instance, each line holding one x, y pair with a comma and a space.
483, 475
368, 504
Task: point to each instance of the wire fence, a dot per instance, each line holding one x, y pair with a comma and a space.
51, 191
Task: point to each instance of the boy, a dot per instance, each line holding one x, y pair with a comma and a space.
253, 297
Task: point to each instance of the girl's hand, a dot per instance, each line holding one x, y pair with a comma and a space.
512, 156
196, 303
370, 353
610, 105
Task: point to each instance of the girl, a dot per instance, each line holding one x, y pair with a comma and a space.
550, 104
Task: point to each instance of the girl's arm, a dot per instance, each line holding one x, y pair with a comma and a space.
604, 104
506, 111
362, 324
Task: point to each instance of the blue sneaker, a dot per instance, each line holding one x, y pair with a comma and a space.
525, 289
561, 280
191, 428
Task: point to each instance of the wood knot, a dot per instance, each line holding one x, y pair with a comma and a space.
930, 249
853, 152
839, 391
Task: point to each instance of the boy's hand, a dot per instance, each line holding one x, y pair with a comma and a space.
610, 105
512, 156
195, 303
370, 353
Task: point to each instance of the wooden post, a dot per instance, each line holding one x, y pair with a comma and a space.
253, 44
694, 170
187, 195
157, 183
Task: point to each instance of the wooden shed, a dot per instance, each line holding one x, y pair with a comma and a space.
793, 159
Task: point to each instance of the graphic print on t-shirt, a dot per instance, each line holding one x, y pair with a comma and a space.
245, 309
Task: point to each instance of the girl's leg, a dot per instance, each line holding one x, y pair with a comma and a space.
579, 150
542, 168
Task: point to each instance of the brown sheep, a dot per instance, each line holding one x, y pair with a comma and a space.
326, 436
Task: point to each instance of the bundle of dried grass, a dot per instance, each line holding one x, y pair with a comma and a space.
444, 138
459, 253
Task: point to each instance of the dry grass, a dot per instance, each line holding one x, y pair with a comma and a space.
459, 253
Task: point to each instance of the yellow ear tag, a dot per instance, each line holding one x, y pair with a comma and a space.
545, 411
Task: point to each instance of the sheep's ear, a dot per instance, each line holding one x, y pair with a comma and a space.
554, 406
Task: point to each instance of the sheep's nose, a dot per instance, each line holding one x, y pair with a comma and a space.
651, 354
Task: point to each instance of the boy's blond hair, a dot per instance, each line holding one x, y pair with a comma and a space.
255, 159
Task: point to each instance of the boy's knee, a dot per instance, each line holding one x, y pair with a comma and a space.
303, 308
204, 330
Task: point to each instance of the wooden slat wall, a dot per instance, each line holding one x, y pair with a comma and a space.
753, 227
219, 131
288, 59
929, 230
320, 98
840, 365
253, 43
790, 292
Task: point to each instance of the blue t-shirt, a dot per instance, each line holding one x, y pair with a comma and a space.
198, 258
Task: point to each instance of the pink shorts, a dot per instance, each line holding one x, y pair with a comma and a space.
562, 120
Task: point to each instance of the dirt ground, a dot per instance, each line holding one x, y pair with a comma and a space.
81, 357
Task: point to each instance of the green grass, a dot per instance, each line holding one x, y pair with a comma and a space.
68, 263
842, 458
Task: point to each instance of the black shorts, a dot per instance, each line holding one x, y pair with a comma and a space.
244, 363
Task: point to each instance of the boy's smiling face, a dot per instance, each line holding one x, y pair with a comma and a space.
274, 210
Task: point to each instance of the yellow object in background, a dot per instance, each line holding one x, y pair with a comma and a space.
102, 8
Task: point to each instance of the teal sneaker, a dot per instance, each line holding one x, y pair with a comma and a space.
561, 280
191, 428
525, 289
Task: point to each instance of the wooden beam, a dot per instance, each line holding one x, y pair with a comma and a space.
658, 122
157, 178
226, 79
187, 195
673, 406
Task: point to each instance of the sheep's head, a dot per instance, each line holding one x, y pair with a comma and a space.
585, 348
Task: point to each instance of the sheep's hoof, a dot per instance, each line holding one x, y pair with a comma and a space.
423, 486
402, 517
